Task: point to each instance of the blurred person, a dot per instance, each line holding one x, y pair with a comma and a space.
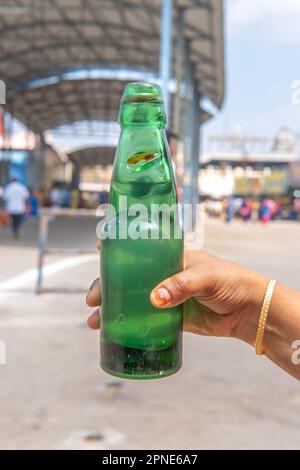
276, 208
223, 213
230, 209
95, 196
81, 201
55, 196
74, 199
255, 210
16, 196
2, 204
46, 202
4, 218
246, 210
42, 196
33, 204
296, 207
265, 211
224, 299
65, 197
238, 202
103, 197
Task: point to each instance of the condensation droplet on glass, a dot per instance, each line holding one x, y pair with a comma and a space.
122, 319
143, 330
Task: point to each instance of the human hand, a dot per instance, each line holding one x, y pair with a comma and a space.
220, 298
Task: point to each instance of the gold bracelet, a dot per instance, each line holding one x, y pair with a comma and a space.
263, 317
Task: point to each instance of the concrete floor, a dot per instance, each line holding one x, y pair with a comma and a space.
53, 394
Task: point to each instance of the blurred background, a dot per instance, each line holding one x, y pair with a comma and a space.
229, 74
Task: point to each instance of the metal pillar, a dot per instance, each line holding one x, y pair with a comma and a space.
179, 101
39, 163
4, 171
187, 128
195, 112
192, 120
30, 169
75, 175
42, 162
43, 240
179, 74
166, 50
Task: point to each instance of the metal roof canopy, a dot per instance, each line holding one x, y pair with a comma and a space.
73, 101
47, 38
67, 101
94, 155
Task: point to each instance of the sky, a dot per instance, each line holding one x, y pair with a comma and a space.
262, 56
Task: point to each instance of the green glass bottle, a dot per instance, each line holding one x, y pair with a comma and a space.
139, 341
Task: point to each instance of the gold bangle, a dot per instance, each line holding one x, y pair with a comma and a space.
263, 318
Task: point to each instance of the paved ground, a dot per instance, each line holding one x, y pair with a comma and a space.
54, 396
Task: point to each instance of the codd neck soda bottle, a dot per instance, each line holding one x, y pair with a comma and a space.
142, 246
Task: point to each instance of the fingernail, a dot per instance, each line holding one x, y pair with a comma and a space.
162, 296
92, 286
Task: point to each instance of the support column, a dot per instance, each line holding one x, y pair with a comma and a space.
187, 127
192, 139
179, 74
179, 104
195, 149
43, 162
30, 169
39, 163
75, 175
166, 50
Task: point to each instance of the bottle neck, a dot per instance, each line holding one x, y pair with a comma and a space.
139, 138
142, 115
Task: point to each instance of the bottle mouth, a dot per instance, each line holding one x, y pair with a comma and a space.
142, 92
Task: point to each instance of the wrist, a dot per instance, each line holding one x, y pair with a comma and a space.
255, 288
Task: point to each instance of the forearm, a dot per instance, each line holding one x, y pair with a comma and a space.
282, 331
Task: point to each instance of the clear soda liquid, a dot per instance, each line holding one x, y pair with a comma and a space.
138, 340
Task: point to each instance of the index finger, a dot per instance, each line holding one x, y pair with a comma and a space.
93, 298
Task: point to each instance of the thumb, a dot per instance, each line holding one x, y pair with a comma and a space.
178, 288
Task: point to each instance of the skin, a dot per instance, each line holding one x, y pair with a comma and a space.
224, 299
